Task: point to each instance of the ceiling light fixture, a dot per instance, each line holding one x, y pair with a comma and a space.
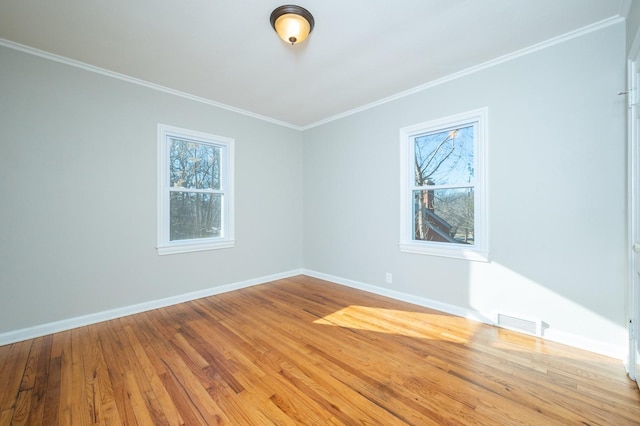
292, 23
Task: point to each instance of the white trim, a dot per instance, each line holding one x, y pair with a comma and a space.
607, 349
404, 297
611, 350
227, 146
70, 323
573, 340
139, 82
181, 247
471, 70
444, 251
631, 214
633, 233
479, 251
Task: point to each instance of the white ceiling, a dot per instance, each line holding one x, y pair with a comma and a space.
361, 51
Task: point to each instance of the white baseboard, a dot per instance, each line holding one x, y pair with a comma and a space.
70, 323
404, 297
607, 349
580, 342
576, 341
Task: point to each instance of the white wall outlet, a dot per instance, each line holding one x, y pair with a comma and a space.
388, 278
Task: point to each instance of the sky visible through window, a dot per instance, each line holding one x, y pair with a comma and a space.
444, 172
445, 157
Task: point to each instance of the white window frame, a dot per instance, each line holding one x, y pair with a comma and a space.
227, 239
479, 251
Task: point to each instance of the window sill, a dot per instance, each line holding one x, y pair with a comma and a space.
456, 253
191, 247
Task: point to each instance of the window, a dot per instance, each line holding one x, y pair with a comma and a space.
195, 200
443, 204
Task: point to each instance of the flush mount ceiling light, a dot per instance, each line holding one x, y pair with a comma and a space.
292, 23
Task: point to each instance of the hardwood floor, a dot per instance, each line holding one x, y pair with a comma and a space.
305, 351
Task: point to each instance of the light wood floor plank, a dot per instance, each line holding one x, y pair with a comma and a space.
12, 372
303, 351
97, 373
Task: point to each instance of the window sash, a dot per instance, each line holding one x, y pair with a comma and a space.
219, 212
226, 238
479, 249
200, 191
456, 127
433, 187
193, 170
222, 190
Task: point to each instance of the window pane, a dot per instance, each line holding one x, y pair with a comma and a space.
194, 165
445, 157
195, 215
444, 215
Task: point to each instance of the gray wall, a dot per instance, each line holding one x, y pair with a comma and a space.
633, 23
78, 194
78, 191
556, 192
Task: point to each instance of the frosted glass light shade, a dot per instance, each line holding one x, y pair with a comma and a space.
292, 23
292, 28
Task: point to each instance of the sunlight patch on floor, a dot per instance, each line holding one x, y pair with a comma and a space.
405, 323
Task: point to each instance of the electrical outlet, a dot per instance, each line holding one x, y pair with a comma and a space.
388, 278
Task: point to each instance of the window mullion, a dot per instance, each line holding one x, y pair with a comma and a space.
434, 187
200, 191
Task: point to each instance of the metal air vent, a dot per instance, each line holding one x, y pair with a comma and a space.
522, 325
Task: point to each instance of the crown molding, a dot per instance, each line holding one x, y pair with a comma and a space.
476, 68
98, 70
451, 77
